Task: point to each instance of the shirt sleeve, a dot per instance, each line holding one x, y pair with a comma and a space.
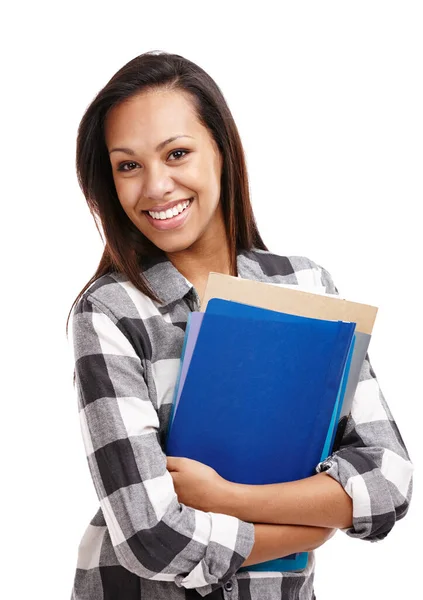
372, 463
153, 534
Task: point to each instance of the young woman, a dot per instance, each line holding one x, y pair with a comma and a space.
161, 164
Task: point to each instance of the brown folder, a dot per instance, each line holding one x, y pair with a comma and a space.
289, 300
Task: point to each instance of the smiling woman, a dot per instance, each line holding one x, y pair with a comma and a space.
161, 165
161, 177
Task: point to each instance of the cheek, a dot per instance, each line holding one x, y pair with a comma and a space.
207, 185
127, 192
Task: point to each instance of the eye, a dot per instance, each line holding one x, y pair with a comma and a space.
120, 167
179, 150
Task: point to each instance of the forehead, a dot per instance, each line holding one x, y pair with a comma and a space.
151, 117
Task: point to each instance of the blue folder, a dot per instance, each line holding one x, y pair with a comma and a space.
217, 306
228, 417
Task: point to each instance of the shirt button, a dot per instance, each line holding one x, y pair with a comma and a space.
228, 586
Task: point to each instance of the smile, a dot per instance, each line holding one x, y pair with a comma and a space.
173, 217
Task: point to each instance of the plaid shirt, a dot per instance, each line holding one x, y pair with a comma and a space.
144, 543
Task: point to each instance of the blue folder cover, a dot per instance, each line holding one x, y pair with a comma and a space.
217, 306
243, 364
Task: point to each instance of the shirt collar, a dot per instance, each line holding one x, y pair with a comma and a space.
170, 285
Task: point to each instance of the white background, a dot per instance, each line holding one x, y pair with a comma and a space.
328, 100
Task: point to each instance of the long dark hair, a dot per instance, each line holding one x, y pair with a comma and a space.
125, 245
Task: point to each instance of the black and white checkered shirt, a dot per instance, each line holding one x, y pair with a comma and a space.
144, 544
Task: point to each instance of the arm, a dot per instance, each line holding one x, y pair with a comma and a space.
372, 464
153, 534
274, 541
317, 501
200, 486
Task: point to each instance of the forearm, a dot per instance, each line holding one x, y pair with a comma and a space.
318, 501
276, 541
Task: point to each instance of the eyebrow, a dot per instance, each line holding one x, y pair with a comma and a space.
159, 147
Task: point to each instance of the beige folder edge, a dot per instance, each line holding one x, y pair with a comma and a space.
289, 300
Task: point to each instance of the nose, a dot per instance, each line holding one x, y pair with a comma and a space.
157, 182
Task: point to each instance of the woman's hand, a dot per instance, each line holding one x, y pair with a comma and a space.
197, 485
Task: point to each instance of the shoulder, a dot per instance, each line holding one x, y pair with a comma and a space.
112, 306
299, 270
117, 297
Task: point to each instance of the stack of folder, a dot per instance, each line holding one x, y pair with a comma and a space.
266, 382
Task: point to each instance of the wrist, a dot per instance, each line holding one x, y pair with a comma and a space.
234, 498
255, 503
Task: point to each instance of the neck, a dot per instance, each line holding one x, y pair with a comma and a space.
210, 253
196, 264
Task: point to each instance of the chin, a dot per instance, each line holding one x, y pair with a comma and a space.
171, 246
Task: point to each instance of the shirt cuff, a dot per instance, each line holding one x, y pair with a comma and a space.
231, 542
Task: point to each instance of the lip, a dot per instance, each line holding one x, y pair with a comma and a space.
166, 207
173, 223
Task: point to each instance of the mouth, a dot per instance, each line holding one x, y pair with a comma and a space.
171, 218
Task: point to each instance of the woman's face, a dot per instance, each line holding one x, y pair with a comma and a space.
169, 189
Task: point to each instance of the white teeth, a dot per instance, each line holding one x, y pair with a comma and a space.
171, 212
